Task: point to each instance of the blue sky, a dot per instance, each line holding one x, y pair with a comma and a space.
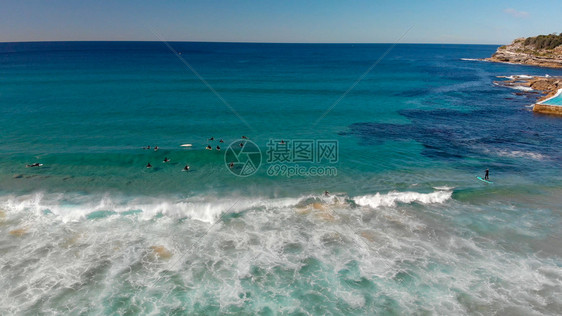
313, 21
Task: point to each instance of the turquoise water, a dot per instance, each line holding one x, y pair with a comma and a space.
407, 228
554, 101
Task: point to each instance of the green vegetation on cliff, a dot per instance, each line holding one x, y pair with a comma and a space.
542, 51
544, 41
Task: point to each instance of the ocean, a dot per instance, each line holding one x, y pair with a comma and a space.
345, 182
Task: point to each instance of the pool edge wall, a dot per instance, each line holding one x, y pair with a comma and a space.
548, 109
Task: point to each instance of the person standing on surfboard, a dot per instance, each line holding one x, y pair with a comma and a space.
486, 175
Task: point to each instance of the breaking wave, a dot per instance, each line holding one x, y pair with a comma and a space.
70, 208
392, 198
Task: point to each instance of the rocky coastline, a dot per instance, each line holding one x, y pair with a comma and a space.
522, 52
547, 86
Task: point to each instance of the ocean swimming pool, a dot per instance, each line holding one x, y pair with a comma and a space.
556, 100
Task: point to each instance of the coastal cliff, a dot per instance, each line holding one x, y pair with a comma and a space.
542, 51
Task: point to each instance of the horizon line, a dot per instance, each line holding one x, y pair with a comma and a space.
240, 42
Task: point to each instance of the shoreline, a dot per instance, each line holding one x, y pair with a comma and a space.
539, 51
550, 86
534, 62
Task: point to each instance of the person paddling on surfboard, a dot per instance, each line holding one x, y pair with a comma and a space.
186, 168
148, 165
486, 175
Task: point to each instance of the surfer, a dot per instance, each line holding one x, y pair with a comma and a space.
326, 193
282, 142
166, 159
212, 138
486, 175
231, 165
244, 137
221, 141
218, 148
186, 168
155, 148
241, 145
209, 147
36, 164
148, 165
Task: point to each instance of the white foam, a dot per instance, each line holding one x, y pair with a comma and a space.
521, 88
515, 77
74, 207
521, 154
273, 257
444, 188
515, 87
391, 198
470, 59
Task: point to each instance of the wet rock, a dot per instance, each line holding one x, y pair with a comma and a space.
18, 232
161, 252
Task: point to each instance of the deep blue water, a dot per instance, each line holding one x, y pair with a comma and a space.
411, 229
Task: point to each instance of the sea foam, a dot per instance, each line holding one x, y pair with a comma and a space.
521, 88
71, 207
392, 198
514, 77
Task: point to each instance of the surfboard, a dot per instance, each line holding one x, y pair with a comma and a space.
480, 178
186, 145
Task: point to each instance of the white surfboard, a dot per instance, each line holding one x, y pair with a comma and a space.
186, 145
